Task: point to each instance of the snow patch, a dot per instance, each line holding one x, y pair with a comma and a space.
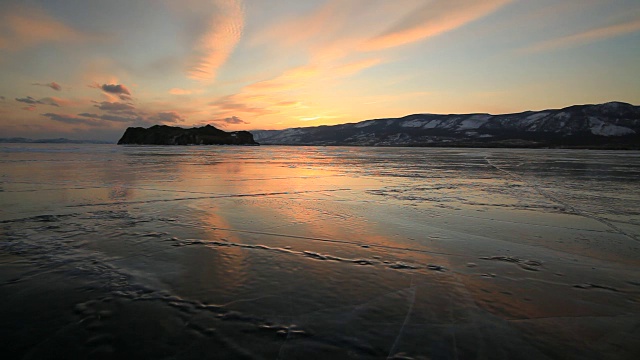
537, 116
364, 124
416, 123
474, 122
599, 127
432, 124
562, 116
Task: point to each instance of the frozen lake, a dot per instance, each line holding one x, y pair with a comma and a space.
318, 252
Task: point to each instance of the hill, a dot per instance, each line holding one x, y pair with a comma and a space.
613, 125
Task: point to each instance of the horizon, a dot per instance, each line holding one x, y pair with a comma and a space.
88, 71
312, 126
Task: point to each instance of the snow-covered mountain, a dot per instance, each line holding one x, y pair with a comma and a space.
609, 125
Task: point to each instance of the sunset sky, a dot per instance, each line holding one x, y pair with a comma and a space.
89, 69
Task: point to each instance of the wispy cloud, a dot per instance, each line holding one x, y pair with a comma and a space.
585, 37
320, 24
178, 91
22, 27
114, 106
113, 117
214, 47
166, 117
288, 80
126, 117
44, 101
227, 105
434, 18
53, 85
73, 119
233, 120
354, 67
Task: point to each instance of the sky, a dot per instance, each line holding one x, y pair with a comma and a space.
90, 69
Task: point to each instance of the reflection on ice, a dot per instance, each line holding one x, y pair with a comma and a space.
281, 252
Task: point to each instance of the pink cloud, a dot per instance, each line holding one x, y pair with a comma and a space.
167, 117
215, 46
320, 24
600, 33
232, 120
434, 18
53, 85
178, 91
22, 27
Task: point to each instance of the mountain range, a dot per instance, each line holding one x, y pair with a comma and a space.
612, 125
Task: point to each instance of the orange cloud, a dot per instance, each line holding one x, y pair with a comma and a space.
354, 67
63, 102
216, 45
23, 27
230, 105
585, 37
434, 18
290, 79
321, 23
178, 91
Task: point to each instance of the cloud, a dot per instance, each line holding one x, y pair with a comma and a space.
52, 101
233, 120
434, 18
597, 34
23, 27
166, 117
115, 107
288, 80
287, 104
304, 76
44, 101
354, 67
213, 48
236, 103
113, 117
119, 90
28, 100
177, 91
312, 118
318, 25
54, 85
72, 119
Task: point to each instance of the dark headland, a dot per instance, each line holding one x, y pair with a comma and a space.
173, 135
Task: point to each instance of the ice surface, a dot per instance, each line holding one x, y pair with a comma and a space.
318, 252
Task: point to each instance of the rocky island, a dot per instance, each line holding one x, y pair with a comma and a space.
173, 135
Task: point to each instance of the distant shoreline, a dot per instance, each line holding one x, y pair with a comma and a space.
51, 141
439, 146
